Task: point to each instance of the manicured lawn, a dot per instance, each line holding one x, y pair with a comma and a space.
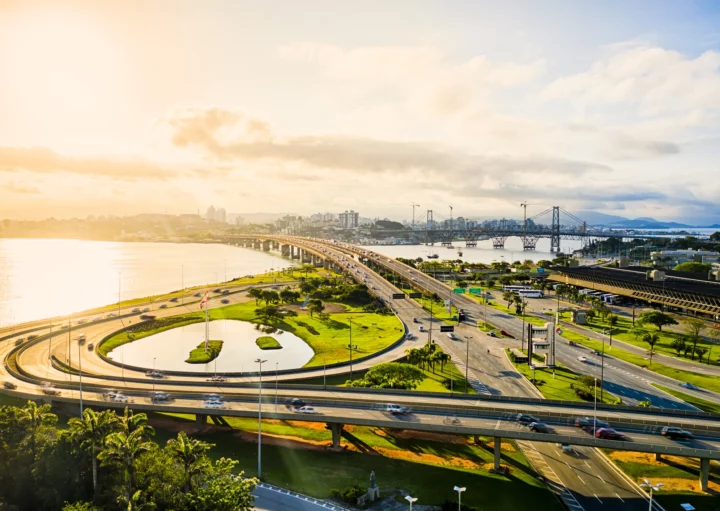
439, 310
622, 329
706, 406
556, 384
701, 380
428, 469
200, 355
267, 342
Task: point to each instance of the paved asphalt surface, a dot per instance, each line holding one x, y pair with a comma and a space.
601, 488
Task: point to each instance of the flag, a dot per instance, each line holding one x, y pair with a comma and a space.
205, 299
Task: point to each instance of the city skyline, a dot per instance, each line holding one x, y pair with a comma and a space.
611, 108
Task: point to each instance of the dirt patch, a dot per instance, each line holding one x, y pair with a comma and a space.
649, 459
689, 485
426, 458
423, 435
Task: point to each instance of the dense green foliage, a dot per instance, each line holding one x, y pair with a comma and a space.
267, 342
657, 319
44, 468
200, 355
392, 375
693, 267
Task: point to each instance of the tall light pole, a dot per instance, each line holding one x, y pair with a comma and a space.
410, 500
154, 375
276, 385
261, 362
652, 487
80, 368
182, 284
459, 490
351, 350
595, 409
413, 220
467, 359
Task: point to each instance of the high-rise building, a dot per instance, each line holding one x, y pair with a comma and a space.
221, 216
349, 220
210, 215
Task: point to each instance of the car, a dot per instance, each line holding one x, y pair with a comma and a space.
147, 317
120, 398
492, 333
173, 299
452, 336
609, 434
197, 295
160, 396
163, 306
81, 321
566, 448
136, 310
584, 360
422, 328
306, 409
146, 309
213, 397
227, 291
214, 404
539, 427
589, 422
154, 374
91, 346
396, 409
217, 378
9, 385
415, 320
598, 353
674, 433
216, 290
50, 391
409, 336
224, 300
690, 386
18, 342
295, 403
524, 418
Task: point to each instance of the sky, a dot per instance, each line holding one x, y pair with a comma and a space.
120, 108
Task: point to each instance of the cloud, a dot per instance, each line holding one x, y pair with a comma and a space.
656, 80
355, 154
20, 188
627, 146
44, 160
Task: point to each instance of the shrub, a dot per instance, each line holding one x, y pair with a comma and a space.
349, 494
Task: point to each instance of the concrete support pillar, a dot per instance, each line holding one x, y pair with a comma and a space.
285, 250
266, 246
658, 456
336, 430
498, 441
200, 420
295, 252
326, 264
704, 473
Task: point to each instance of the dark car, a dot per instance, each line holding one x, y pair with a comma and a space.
9, 385
524, 418
676, 433
294, 403
609, 434
173, 300
224, 300
589, 422
540, 427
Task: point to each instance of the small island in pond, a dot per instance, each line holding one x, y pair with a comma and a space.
267, 343
200, 356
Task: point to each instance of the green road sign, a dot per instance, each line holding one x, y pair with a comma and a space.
459, 290
475, 291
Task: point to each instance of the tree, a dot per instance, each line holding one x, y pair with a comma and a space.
130, 421
190, 452
287, 295
693, 329
268, 315
508, 297
715, 236
307, 268
590, 314
315, 306
657, 319
256, 293
90, 432
678, 344
390, 375
461, 283
121, 450
700, 352
544, 263
519, 304
652, 340
693, 267
36, 418
612, 320
218, 489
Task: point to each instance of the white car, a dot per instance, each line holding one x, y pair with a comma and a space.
584, 360
396, 409
409, 336
119, 398
217, 405
452, 336
306, 409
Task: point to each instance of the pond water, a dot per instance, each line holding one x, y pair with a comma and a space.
168, 350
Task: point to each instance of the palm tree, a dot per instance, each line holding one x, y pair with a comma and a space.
700, 352
443, 358
131, 421
36, 417
190, 453
90, 431
122, 449
651, 339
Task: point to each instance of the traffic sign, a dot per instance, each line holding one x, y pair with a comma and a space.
415, 295
459, 290
398, 296
447, 328
475, 291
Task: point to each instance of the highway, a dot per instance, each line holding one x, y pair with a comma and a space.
492, 375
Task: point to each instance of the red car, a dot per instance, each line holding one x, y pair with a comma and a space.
609, 434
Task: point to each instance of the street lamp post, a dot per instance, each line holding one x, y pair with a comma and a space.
154, 375
467, 359
595, 408
276, 385
652, 488
459, 491
182, 284
410, 500
261, 362
80, 369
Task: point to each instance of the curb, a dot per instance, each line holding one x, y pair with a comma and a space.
300, 496
627, 478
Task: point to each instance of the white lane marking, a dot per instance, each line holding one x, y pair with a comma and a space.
586, 463
581, 480
618, 496
597, 498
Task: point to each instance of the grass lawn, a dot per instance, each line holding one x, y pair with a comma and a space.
701, 380
439, 310
426, 467
267, 342
202, 356
679, 475
706, 406
622, 332
556, 384
329, 339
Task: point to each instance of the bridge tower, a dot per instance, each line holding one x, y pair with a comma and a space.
555, 234
429, 225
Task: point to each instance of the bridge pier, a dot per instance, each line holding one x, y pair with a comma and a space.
704, 473
257, 245
266, 246
496, 450
294, 252
285, 250
499, 241
336, 430
200, 420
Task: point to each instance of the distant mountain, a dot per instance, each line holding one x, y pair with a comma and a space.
601, 219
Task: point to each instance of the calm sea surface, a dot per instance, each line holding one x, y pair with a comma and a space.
40, 278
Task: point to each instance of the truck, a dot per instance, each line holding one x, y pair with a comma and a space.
147, 316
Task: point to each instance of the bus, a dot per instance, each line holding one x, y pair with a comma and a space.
515, 289
531, 293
